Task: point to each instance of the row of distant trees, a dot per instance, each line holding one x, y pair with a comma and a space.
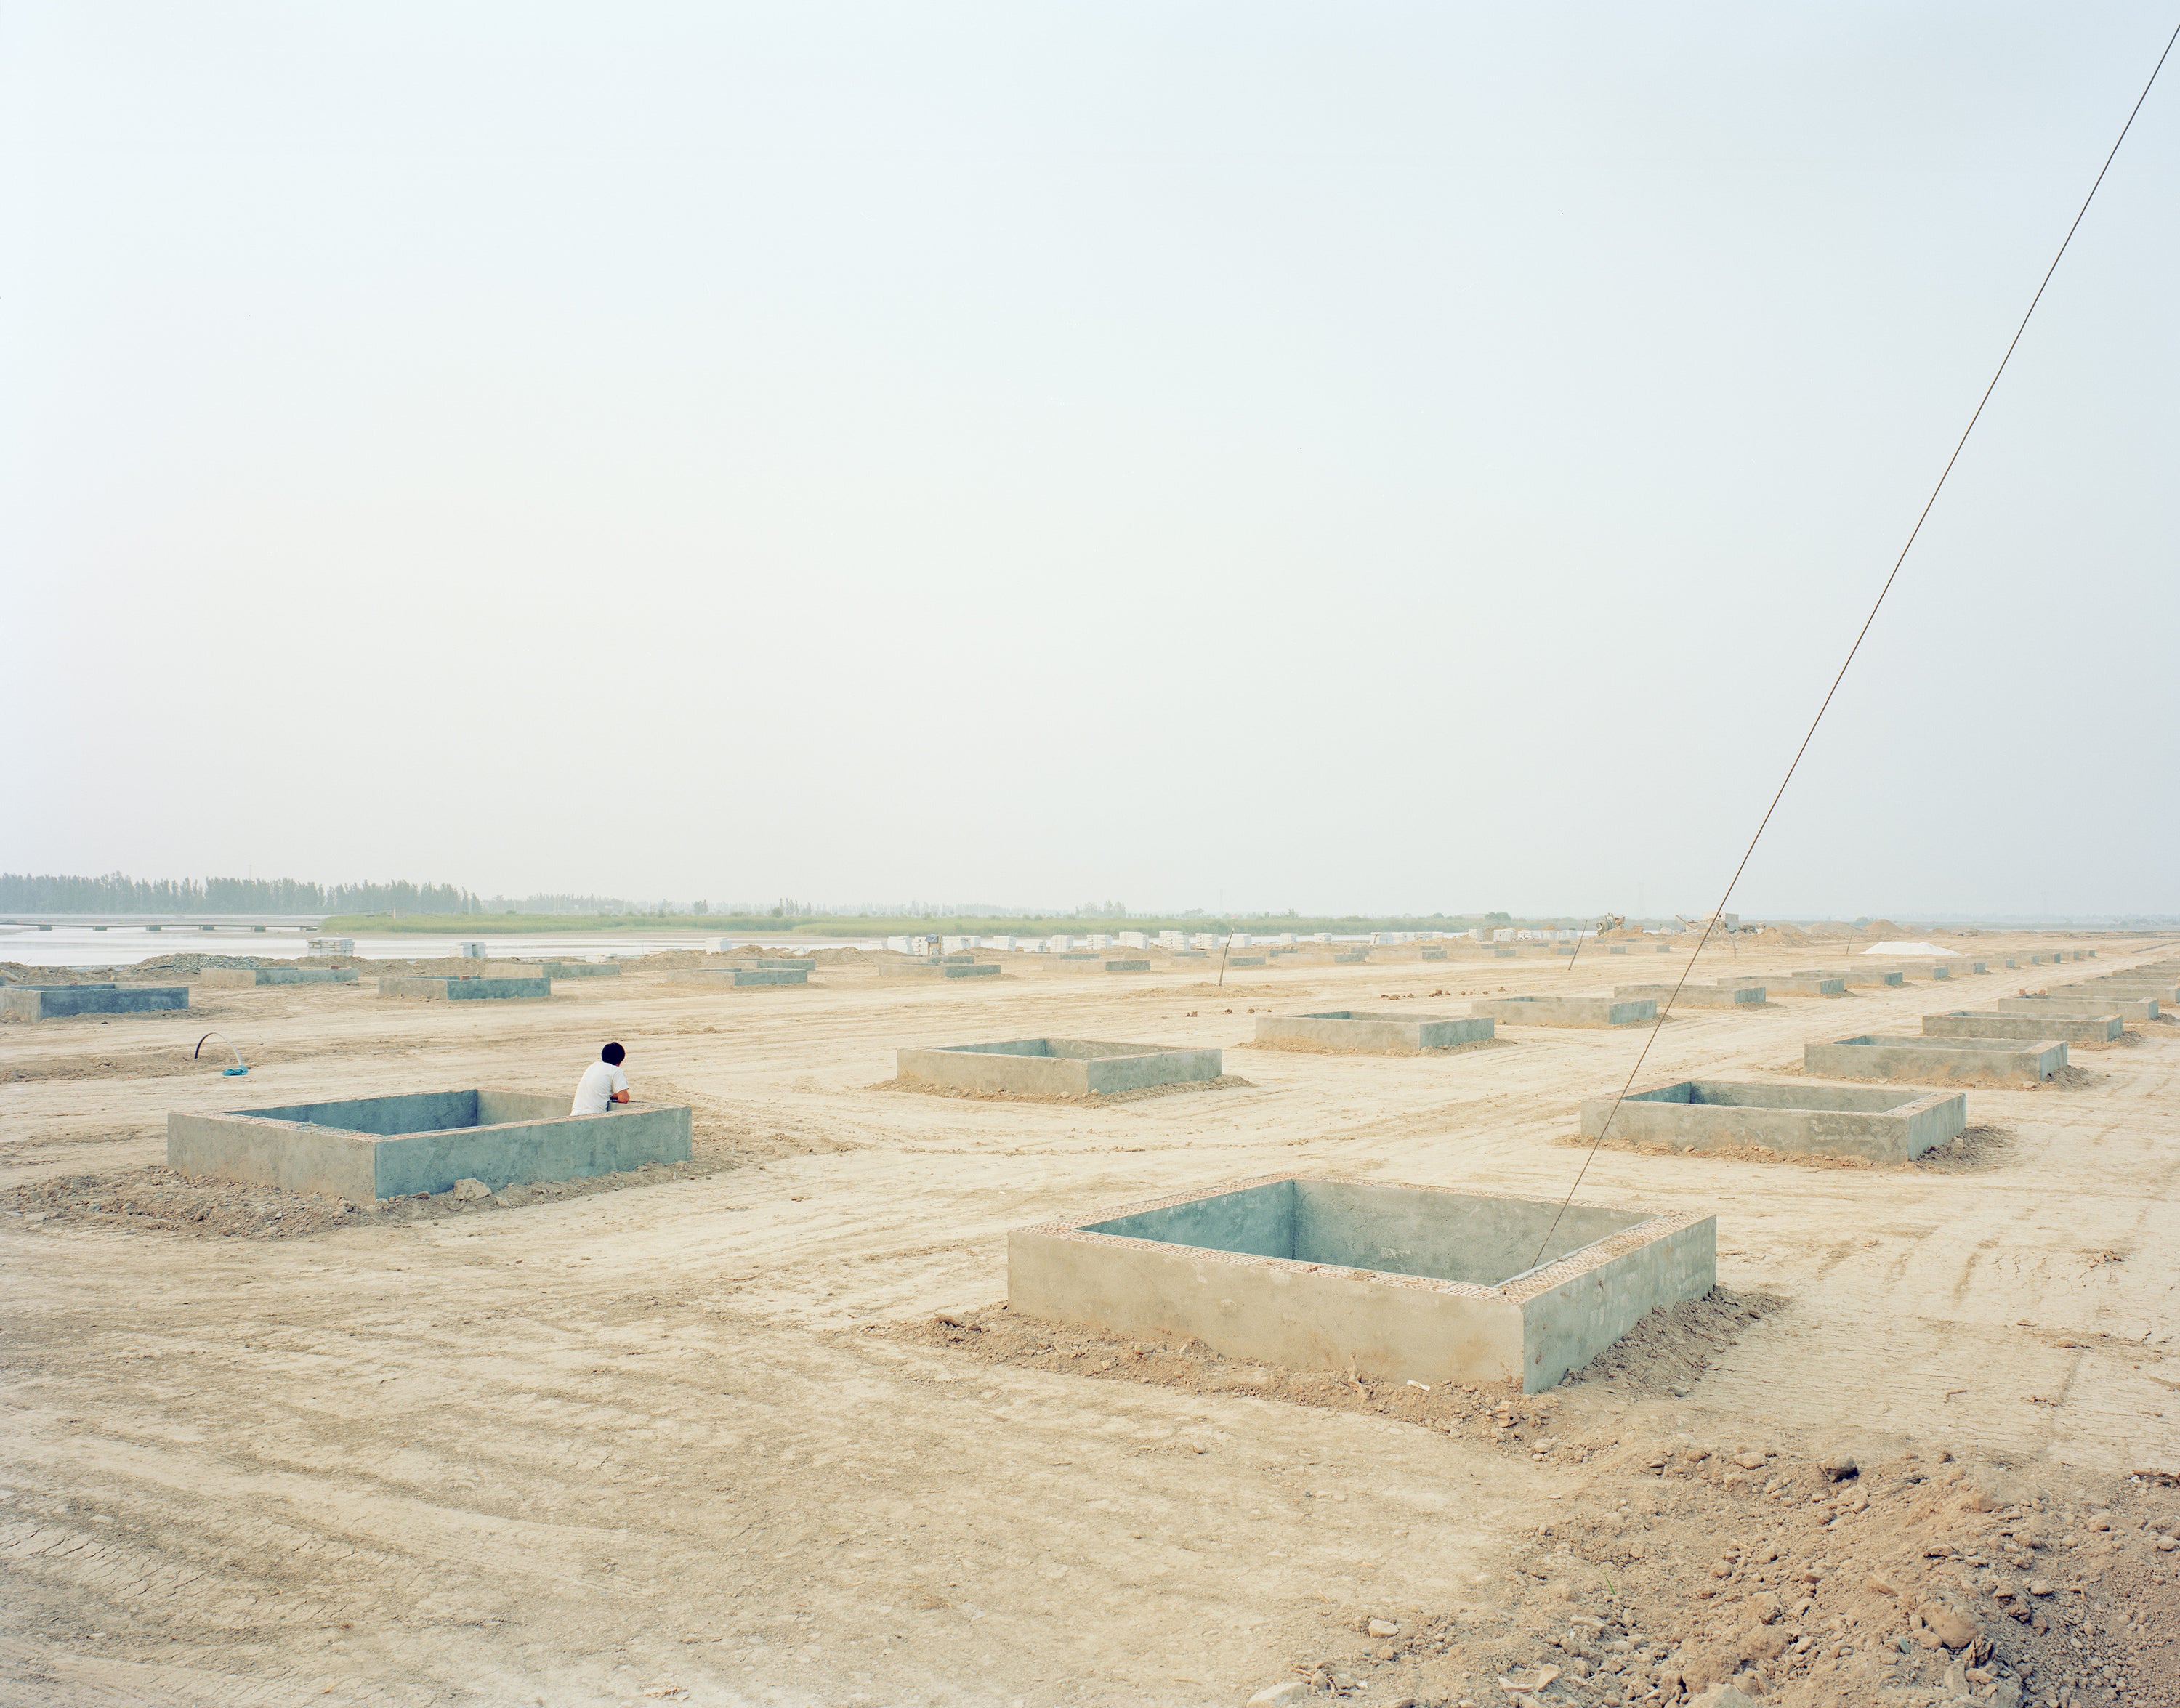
21, 893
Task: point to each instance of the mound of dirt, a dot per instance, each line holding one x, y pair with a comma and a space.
1787, 1567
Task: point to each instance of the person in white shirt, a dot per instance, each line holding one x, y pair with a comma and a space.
603, 1084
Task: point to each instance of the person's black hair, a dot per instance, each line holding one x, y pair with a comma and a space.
612, 1055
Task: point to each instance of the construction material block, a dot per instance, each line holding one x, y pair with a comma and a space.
1383, 1032
730, 978
1055, 1067
1694, 995
1232, 961
1145, 966
416, 988
1964, 1023
1430, 954
1816, 1120
1935, 1061
581, 970
365, 1148
1349, 955
1885, 978
35, 1002
1567, 1011
1417, 1283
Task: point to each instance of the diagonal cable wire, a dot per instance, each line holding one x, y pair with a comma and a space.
1711, 924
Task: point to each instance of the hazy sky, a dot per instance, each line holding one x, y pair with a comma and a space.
1349, 457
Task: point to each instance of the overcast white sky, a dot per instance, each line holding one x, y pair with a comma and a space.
1360, 457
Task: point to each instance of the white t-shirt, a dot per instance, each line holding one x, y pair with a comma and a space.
594, 1091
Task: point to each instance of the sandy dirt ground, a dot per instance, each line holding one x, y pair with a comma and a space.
700, 1435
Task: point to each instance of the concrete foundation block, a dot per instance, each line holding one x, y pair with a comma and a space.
1383, 1032
1055, 1067
2163, 992
243, 978
415, 988
734, 977
1397, 1282
1935, 1061
1430, 954
581, 970
1503, 954
1145, 966
1883, 978
1566, 1011
368, 1148
1231, 961
2083, 1007
1882, 1126
1695, 996
1350, 955
2100, 1028
30, 1003
1805, 983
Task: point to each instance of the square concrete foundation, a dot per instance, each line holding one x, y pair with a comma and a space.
1350, 955
736, 977
1794, 984
2163, 991
1694, 995
1964, 1023
1055, 1066
1567, 1011
1381, 1033
235, 978
366, 1148
1815, 1120
2082, 1008
1882, 977
1145, 966
1935, 1061
1430, 954
957, 969
581, 970
415, 988
1419, 1283
1231, 961
35, 1002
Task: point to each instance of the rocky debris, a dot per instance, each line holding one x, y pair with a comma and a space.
468, 1191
